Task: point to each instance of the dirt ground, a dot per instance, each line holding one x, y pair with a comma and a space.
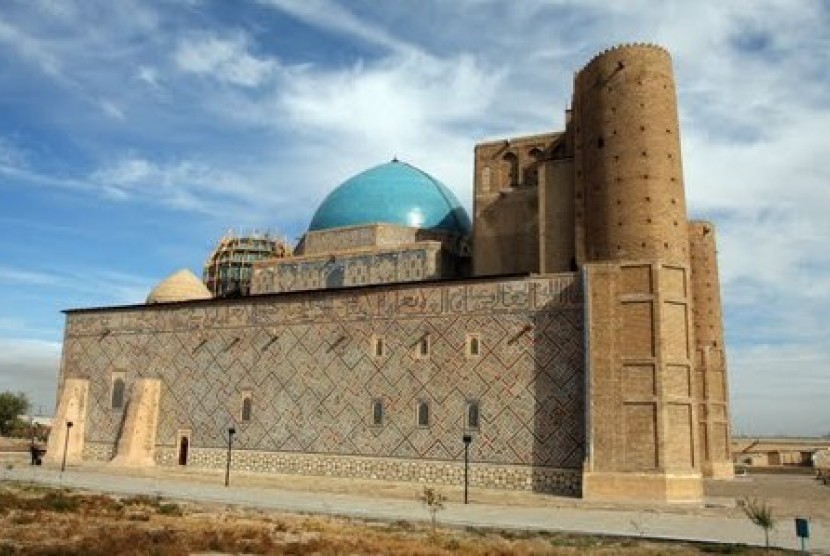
203, 528
41, 521
789, 495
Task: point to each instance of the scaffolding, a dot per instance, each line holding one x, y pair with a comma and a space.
227, 272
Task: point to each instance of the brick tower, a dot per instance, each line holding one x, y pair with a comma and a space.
632, 242
712, 393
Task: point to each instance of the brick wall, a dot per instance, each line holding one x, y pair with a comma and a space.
309, 362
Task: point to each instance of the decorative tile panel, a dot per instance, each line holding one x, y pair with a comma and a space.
308, 361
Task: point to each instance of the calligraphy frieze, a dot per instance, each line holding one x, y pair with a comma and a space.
474, 297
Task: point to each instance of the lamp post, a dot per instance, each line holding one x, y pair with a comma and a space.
32, 445
467, 439
231, 432
66, 445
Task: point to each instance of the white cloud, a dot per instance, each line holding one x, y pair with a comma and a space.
25, 276
109, 286
111, 110
226, 60
414, 106
148, 75
331, 16
190, 185
30, 48
752, 79
11, 155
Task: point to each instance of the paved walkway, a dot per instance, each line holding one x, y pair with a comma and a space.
629, 522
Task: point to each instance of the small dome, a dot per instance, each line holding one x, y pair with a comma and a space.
182, 285
392, 193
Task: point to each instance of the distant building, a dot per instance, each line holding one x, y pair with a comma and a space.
41, 420
574, 329
781, 451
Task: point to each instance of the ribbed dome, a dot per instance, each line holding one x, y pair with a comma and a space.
393, 193
182, 285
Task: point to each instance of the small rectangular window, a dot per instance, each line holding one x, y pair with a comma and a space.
379, 347
247, 408
377, 412
473, 345
473, 416
423, 414
423, 347
118, 391
247, 404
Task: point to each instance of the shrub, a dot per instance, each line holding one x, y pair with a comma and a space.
170, 509
60, 502
434, 502
760, 513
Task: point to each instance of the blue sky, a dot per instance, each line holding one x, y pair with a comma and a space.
133, 134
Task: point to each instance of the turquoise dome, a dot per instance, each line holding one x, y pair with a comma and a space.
392, 193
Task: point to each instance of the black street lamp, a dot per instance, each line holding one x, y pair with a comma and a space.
66, 445
231, 432
32, 449
467, 439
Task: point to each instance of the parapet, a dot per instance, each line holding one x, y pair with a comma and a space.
626, 46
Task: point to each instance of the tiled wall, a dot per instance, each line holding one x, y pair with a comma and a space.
308, 362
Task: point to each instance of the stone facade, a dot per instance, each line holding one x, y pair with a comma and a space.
600, 370
506, 203
362, 256
312, 367
405, 263
439, 472
643, 440
606, 196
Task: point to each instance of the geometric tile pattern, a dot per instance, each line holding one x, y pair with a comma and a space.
308, 360
421, 261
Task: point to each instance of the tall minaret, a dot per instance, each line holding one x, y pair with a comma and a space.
632, 240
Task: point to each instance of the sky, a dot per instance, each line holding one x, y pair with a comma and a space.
135, 133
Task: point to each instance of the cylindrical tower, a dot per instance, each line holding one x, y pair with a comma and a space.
629, 177
633, 246
712, 393
708, 315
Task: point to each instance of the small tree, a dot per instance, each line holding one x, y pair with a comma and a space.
11, 406
759, 513
434, 501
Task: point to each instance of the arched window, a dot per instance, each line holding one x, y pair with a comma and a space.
512, 168
472, 414
247, 406
118, 393
473, 345
423, 414
377, 412
531, 173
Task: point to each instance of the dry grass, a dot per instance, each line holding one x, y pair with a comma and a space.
59, 522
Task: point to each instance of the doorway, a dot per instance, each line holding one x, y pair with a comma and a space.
184, 444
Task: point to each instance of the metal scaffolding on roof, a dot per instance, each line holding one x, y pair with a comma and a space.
227, 272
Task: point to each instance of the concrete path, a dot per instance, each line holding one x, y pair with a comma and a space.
647, 523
